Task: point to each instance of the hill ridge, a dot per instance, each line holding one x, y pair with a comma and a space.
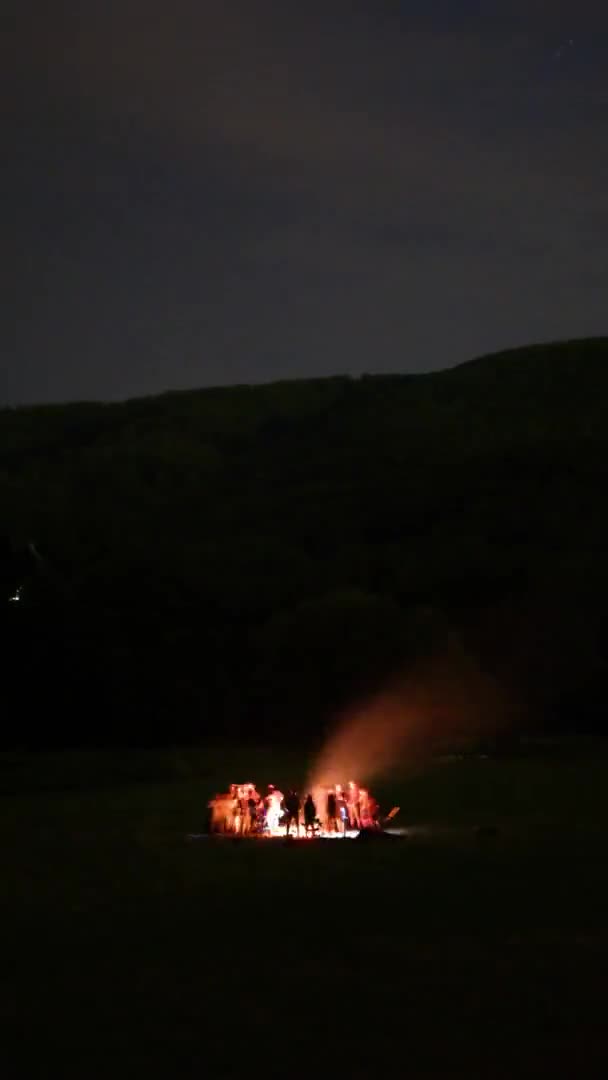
244, 554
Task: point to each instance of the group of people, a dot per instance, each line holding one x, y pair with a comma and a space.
243, 810
350, 807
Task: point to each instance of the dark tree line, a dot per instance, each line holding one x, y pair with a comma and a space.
245, 562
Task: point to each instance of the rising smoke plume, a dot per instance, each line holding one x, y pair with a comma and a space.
444, 697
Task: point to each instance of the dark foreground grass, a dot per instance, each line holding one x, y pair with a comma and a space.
130, 951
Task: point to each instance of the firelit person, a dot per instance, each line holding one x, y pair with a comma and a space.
352, 802
341, 807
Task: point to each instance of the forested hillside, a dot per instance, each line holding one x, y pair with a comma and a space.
247, 560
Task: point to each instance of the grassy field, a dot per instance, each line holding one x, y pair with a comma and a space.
130, 951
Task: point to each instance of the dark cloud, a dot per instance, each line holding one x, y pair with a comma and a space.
208, 192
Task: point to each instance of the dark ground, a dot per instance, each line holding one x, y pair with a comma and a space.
129, 951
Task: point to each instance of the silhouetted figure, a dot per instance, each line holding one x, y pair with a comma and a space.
332, 813
291, 805
252, 808
213, 815
310, 815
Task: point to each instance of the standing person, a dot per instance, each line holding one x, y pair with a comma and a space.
260, 815
252, 806
245, 819
221, 813
331, 823
231, 809
310, 815
269, 807
341, 807
365, 810
374, 813
292, 812
352, 801
274, 801
239, 807
213, 812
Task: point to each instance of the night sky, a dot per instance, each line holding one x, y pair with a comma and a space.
217, 191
